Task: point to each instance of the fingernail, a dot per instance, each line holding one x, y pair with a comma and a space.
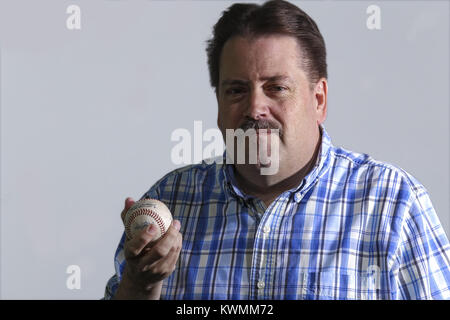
177, 225
151, 229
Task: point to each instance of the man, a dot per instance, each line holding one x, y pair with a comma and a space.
329, 224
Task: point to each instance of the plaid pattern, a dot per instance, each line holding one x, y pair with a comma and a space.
355, 228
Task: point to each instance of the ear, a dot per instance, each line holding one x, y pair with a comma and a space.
320, 99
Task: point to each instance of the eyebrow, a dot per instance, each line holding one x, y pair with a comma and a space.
272, 78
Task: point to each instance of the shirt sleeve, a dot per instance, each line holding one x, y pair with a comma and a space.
423, 253
111, 288
119, 265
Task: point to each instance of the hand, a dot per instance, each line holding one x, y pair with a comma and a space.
147, 262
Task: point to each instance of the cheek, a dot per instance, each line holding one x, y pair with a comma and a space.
301, 108
294, 117
228, 118
289, 112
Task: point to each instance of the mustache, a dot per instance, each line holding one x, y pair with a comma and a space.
261, 124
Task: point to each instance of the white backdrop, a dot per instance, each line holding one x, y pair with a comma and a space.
87, 115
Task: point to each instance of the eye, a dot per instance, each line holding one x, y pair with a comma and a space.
278, 88
234, 91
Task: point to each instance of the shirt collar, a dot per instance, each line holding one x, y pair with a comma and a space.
320, 168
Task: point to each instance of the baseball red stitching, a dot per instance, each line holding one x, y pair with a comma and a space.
149, 213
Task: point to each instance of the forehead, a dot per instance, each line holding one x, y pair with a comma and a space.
263, 56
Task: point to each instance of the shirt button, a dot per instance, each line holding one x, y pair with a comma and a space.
266, 229
261, 284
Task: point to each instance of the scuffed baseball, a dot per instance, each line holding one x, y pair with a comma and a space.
144, 213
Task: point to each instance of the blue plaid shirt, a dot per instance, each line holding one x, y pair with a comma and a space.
355, 228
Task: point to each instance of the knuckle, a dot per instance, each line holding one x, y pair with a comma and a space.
134, 252
144, 268
163, 270
131, 251
170, 234
157, 271
142, 239
165, 273
159, 252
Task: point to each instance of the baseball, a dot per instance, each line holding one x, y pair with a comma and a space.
144, 213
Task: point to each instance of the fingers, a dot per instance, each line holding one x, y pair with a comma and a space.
151, 261
133, 247
128, 203
176, 224
161, 249
163, 268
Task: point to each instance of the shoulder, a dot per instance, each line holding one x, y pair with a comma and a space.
198, 170
390, 192
187, 177
363, 168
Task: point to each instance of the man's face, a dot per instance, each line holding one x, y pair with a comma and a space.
261, 81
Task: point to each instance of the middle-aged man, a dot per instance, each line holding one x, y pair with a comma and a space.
329, 224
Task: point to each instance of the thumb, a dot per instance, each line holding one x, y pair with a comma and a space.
128, 203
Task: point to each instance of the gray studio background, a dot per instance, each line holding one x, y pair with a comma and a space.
87, 115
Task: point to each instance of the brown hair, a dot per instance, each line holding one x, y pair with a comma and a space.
273, 17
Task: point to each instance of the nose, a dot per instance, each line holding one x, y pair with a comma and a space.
257, 105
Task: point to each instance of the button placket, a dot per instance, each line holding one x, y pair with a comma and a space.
261, 276
266, 256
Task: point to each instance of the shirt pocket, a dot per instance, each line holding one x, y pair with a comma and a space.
333, 285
